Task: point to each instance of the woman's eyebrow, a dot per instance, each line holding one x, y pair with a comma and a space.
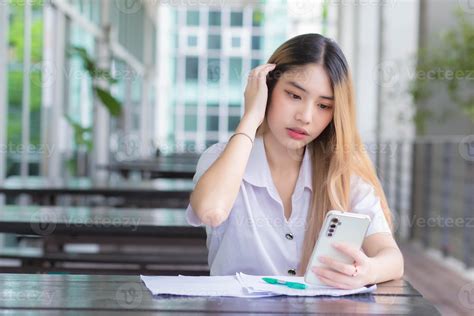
298, 86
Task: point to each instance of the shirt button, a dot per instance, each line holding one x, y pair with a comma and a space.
289, 236
292, 272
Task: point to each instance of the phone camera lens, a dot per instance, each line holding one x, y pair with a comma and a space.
332, 226
329, 234
335, 220
331, 230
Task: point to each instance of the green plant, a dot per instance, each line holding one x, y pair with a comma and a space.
449, 66
83, 135
108, 100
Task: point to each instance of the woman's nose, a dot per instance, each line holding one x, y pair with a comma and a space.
305, 113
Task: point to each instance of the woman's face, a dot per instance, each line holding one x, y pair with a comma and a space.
301, 99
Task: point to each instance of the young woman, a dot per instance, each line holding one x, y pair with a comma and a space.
296, 155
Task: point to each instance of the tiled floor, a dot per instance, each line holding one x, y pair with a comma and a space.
448, 290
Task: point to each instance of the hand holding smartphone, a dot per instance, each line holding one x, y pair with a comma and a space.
344, 227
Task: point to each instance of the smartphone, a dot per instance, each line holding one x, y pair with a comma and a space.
338, 226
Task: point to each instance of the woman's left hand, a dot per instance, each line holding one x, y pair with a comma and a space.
343, 275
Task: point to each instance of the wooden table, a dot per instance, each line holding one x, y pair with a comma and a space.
98, 294
46, 193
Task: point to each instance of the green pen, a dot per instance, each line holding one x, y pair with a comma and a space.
293, 285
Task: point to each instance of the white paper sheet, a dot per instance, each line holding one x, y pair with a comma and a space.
198, 286
255, 283
240, 285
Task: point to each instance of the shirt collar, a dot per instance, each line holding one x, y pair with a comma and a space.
258, 172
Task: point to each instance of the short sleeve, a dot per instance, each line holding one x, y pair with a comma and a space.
365, 201
206, 159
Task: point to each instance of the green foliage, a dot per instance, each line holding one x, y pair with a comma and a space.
107, 99
15, 77
16, 38
111, 103
83, 135
258, 17
449, 66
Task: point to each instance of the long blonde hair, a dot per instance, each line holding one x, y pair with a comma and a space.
338, 151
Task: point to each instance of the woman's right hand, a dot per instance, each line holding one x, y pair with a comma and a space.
256, 93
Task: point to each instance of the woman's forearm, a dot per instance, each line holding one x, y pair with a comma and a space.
387, 265
217, 189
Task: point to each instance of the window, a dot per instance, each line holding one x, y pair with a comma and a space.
235, 70
212, 123
233, 122
190, 122
213, 70
192, 41
236, 19
192, 18
235, 42
255, 63
214, 42
214, 18
256, 42
192, 67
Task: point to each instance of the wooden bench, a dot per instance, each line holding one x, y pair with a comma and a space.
82, 192
34, 260
171, 244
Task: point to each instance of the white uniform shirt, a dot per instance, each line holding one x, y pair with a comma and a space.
256, 238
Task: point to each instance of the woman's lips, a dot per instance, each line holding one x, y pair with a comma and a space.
295, 135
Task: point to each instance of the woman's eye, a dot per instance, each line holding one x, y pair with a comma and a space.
324, 107
293, 96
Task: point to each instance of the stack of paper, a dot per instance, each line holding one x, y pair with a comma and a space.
240, 285
255, 284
